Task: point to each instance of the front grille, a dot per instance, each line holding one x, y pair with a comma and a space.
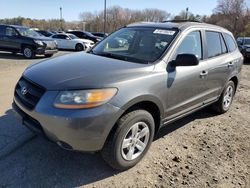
28, 93
28, 121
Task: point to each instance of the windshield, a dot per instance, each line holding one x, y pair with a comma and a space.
72, 36
27, 32
142, 45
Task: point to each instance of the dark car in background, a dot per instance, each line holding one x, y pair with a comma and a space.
20, 39
100, 34
45, 33
86, 35
244, 46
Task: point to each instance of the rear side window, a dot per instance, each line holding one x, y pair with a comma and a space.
230, 42
223, 44
2, 30
191, 45
214, 46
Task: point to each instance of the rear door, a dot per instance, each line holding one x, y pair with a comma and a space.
220, 61
10, 40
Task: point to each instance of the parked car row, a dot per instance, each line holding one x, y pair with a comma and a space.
32, 42
72, 42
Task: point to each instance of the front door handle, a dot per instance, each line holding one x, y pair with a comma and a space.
230, 64
203, 74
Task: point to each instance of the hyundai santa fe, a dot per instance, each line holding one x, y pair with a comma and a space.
115, 98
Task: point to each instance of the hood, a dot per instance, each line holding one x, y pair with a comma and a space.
82, 70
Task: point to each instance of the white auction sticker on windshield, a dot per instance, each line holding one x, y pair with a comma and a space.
164, 32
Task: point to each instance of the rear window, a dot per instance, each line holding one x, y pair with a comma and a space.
230, 42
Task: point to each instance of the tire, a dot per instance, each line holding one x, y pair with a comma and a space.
223, 104
122, 134
28, 52
48, 55
79, 47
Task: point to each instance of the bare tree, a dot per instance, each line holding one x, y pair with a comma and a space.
231, 14
118, 17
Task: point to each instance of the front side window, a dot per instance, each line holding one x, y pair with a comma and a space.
191, 45
141, 45
214, 47
230, 42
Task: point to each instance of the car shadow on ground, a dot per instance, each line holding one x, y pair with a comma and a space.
39, 162
201, 114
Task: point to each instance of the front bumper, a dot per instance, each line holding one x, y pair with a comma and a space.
43, 51
81, 130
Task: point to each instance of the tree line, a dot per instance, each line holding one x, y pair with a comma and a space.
231, 14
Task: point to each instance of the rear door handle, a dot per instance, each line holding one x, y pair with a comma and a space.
203, 74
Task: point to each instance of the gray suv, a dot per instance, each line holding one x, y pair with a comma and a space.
116, 97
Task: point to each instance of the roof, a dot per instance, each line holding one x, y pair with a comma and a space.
16, 26
178, 24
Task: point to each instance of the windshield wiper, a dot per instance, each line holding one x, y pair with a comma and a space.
119, 57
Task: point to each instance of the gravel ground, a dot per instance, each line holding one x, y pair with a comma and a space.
201, 150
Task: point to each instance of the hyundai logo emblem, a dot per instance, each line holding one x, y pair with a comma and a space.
24, 90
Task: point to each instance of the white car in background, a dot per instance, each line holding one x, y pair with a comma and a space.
72, 42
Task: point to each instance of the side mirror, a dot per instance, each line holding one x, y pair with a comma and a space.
186, 60
67, 38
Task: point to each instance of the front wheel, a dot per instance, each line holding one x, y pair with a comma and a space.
79, 47
28, 52
226, 98
129, 142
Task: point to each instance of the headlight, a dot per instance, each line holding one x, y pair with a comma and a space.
39, 42
78, 99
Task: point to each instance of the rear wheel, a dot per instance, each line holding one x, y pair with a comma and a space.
28, 52
79, 47
226, 98
129, 142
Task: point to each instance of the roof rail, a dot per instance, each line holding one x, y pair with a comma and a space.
178, 21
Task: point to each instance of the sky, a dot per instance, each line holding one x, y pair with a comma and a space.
49, 9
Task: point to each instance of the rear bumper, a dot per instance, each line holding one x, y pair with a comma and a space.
81, 130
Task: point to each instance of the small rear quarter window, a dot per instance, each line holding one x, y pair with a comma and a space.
230, 43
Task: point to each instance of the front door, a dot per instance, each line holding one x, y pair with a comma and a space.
186, 84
